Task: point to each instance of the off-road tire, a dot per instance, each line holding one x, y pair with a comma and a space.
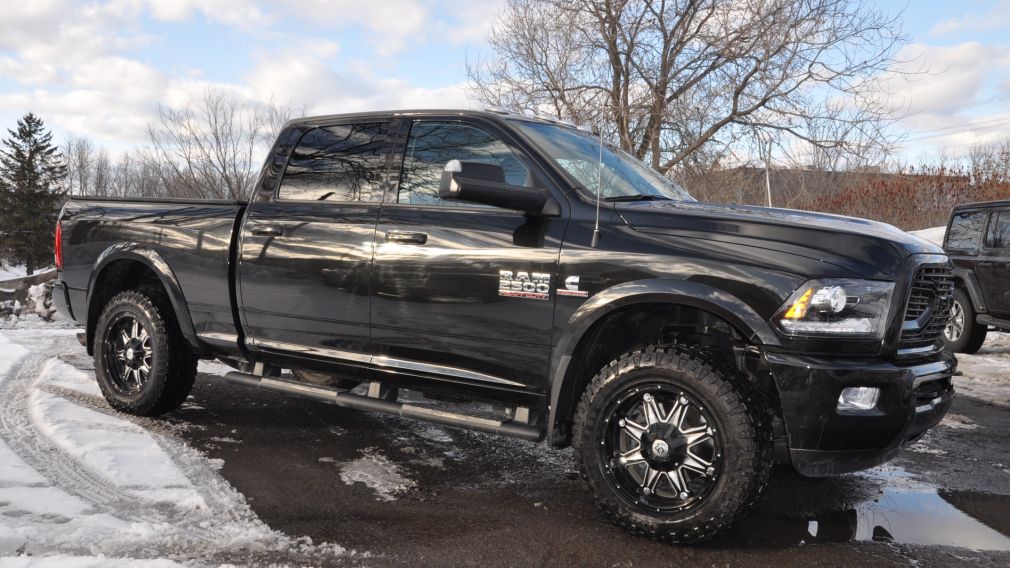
173, 363
744, 430
973, 335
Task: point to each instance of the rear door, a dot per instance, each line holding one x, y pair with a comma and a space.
445, 302
994, 264
305, 254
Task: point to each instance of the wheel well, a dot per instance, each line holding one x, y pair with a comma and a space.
647, 324
121, 276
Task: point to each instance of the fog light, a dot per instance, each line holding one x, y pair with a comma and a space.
858, 398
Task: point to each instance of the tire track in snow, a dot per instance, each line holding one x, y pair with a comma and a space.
221, 529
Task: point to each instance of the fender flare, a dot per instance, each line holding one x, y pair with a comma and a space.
974, 290
655, 290
154, 261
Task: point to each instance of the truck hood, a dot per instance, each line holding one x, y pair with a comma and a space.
867, 248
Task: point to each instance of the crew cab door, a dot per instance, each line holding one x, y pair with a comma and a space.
443, 307
994, 265
306, 251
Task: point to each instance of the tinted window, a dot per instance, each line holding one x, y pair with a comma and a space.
999, 231
432, 144
337, 163
965, 231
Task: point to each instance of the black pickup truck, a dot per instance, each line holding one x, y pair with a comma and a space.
978, 242
681, 347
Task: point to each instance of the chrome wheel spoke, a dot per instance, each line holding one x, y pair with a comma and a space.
653, 413
651, 479
632, 428
632, 457
695, 463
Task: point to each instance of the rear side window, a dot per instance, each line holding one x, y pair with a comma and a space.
999, 231
432, 144
965, 233
337, 163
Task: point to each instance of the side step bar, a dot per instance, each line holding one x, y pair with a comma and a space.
379, 404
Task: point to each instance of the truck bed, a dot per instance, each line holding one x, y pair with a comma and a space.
190, 242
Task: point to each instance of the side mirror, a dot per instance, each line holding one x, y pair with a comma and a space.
478, 182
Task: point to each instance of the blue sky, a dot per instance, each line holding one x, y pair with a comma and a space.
101, 67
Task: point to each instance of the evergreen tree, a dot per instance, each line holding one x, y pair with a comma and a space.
32, 174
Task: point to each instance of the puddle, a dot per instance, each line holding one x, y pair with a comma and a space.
898, 510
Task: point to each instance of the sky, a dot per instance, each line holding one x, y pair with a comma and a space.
101, 68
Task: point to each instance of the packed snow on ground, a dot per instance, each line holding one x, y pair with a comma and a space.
377, 473
84, 486
987, 373
934, 235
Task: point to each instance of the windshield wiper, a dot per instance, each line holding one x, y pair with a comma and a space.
637, 198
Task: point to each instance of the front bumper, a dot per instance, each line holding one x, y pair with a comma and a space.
823, 441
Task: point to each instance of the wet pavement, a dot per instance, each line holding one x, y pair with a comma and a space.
404, 493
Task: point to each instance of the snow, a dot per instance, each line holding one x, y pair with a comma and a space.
934, 235
986, 373
100, 561
378, 474
9, 354
16, 271
84, 486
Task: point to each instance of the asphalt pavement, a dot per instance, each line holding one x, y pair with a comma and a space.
405, 493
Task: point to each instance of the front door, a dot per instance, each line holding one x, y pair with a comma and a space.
994, 265
305, 255
463, 292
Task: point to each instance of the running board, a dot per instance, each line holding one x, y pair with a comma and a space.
346, 399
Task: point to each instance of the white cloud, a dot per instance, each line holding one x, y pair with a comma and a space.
956, 76
242, 13
73, 62
305, 81
997, 17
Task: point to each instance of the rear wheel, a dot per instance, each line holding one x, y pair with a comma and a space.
963, 334
143, 364
672, 446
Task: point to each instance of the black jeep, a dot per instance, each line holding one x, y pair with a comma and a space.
978, 242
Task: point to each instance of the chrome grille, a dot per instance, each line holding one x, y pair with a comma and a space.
927, 311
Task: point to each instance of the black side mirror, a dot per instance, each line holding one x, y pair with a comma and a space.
478, 182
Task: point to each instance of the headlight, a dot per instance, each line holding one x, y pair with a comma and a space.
841, 307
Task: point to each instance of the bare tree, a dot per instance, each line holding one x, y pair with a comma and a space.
211, 148
101, 180
80, 157
677, 82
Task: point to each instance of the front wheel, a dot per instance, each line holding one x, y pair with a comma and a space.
962, 334
671, 446
142, 362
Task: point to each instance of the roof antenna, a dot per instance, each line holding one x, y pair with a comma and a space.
599, 190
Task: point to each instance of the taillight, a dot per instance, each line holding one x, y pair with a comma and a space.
58, 245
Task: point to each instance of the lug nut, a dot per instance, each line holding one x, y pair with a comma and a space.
683, 494
646, 491
683, 400
647, 397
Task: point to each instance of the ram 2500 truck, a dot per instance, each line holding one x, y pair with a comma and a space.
681, 347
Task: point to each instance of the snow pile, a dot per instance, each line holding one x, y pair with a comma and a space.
81, 485
934, 235
40, 300
378, 474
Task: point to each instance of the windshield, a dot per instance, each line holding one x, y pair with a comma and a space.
623, 178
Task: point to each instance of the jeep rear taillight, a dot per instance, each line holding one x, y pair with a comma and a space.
58, 245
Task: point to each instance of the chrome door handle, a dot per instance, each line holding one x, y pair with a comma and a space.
268, 231
406, 237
